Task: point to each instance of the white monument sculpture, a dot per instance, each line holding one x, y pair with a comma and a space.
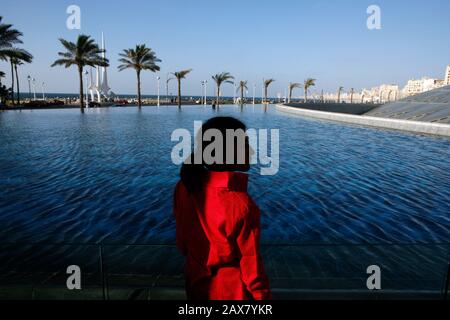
100, 88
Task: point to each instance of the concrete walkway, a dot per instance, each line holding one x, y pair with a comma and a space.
395, 124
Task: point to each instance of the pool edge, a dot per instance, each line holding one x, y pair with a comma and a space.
437, 129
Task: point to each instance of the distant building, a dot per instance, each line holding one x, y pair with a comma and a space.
447, 77
390, 92
414, 87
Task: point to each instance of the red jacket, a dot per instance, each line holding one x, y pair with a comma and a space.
218, 232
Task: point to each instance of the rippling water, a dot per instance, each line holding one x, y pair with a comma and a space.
107, 176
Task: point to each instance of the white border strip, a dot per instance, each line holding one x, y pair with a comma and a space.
439, 129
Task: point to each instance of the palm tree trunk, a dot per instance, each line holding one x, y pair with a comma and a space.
265, 94
242, 95
290, 95
80, 73
12, 82
218, 95
179, 93
138, 74
306, 95
17, 81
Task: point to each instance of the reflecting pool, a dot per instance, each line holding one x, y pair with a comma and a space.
107, 176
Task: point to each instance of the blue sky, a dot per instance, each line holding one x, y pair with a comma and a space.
288, 40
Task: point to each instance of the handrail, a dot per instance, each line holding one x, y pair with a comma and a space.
104, 272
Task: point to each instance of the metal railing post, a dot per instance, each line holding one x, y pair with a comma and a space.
105, 289
446, 282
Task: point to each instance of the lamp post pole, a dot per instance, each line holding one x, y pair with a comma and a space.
34, 89
254, 93
206, 83
158, 78
86, 73
201, 94
43, 92
29, 87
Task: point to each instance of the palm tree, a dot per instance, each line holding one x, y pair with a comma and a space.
180, 75
352, 92
339, 94
310, 82
293, 86
221, 78
14, 63
18, 59
242, 86
267, 83
2, 75
4, 93
140, 58
8, 38
85, 52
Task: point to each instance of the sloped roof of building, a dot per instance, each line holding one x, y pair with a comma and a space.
431, 106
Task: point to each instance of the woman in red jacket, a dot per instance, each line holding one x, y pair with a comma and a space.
218, 224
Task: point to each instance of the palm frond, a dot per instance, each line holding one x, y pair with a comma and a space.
139, 58
294, 85
9, 36
268, 82
242, 85
63, 62
224, 77
85, 52
310, 82
182, 74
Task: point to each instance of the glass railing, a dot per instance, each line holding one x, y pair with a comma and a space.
407, 271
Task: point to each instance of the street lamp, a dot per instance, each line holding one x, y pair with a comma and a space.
86, 73
206, 83
158, 78
34, 88
29, 86
201, 95
43, 93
